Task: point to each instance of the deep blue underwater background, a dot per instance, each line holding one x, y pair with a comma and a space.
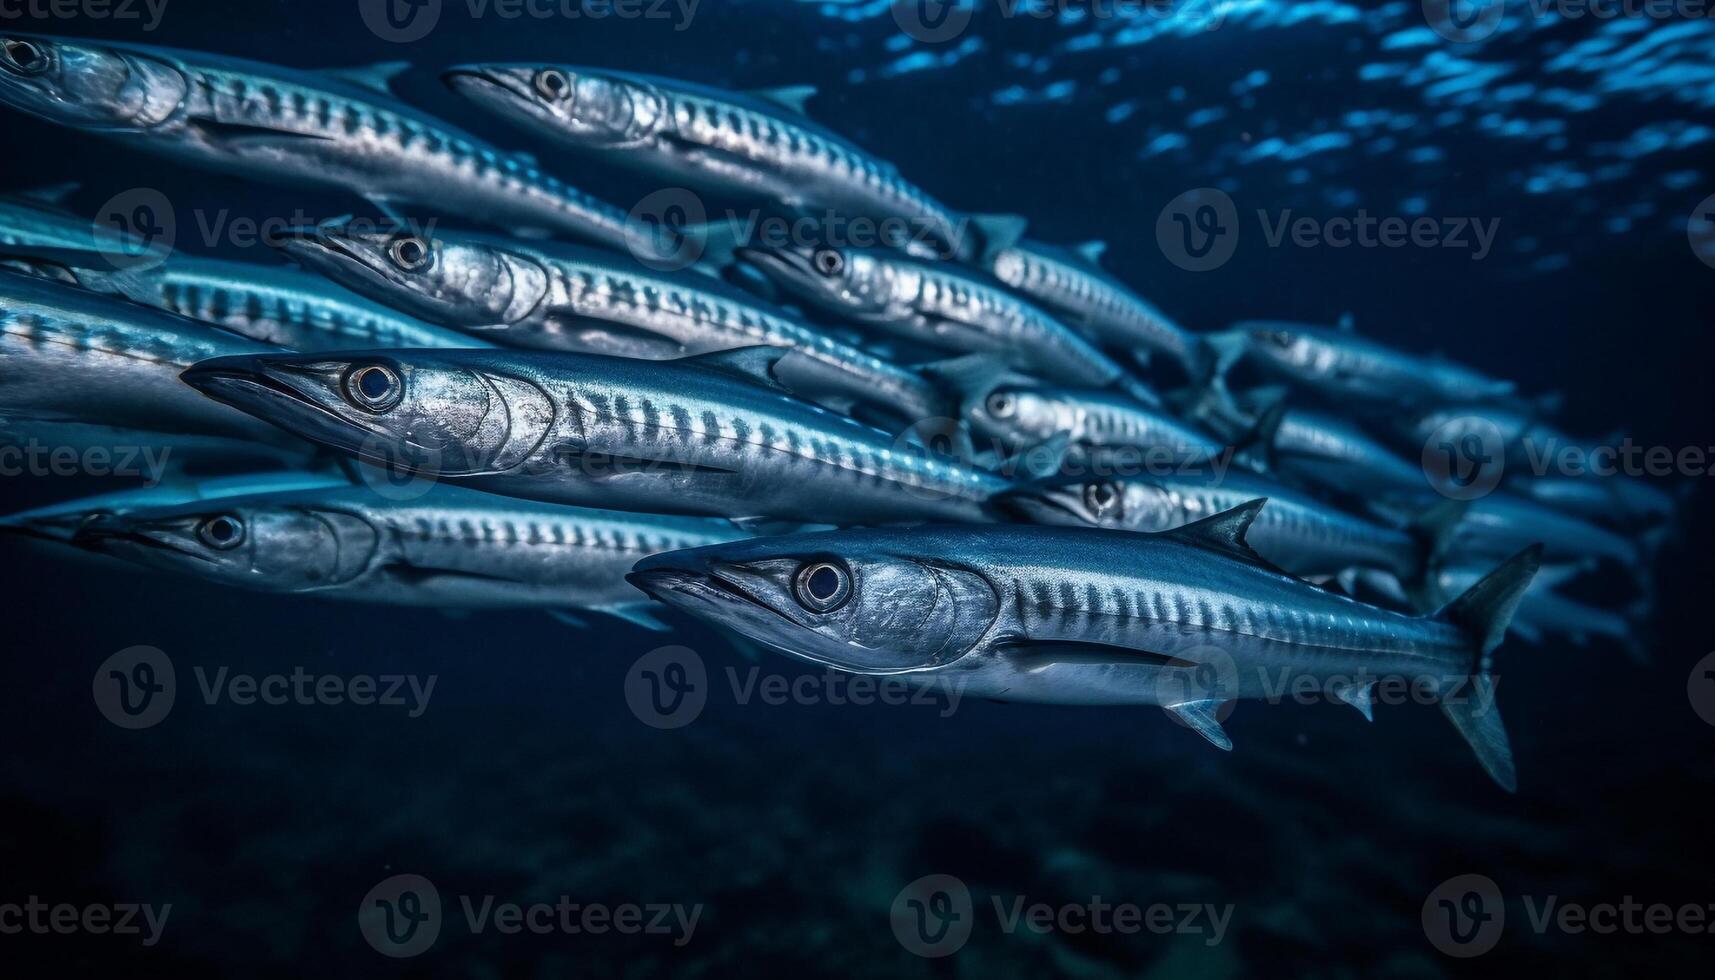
529, 776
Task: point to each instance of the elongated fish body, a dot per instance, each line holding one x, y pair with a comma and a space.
566, 298
707, 435
1498, 520
1613, 501
723, 142
1545, 612
1104, 431
1073, 287
446, 548
276, 305
273, 123
1294, 531
1184, 619
29, 222
71, 355
935, 304
1340, 364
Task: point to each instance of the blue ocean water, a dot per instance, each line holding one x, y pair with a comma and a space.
794, 820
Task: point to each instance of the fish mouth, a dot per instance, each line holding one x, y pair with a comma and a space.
482, 83
774, 263
1036, 507
110, 533
58, 528
252, 385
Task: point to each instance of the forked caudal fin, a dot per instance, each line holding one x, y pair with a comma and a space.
1483, 612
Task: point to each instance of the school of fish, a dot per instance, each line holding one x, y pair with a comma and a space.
951, 455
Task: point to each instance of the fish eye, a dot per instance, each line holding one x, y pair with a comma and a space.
823, 586
222, 533
1103, 499
552, 84
374, 388
828, 261
25, 57
1001, 404
410, 254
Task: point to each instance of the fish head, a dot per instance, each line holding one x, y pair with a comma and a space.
268, 546
861, 601
86, 85
843, 281
577, 105
428, 412
465, 284
1015, 413
1134, 504
1285, 344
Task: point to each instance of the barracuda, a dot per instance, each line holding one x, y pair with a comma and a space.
34, 219
1339, 364
449, 548
340, 130
271, 304
68, 355
583, 300
1186, 619
1071, 284
1297, 532
939, 306
1499, 521
710, 435
1084, 430
725, 142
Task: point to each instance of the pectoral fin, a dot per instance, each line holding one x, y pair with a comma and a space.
1200, 717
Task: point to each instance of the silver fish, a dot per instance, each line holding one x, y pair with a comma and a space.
725, 142
1339, 364
1071, 284
938, 305
1545, 612
705, 435
340, 130
61, 521
35, 219
1615, 501
446, 549
71, 355
1296, 532
1087, 431
271, 304
1186, 619
555, 297
1494, 523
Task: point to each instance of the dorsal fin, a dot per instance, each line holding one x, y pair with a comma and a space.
753, 364
998, 232
1092, 252
1225, 532
375, 78
788, 97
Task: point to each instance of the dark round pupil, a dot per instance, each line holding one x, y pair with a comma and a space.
223, 529
410, 251
555, 83
374, 383
830, 261
824, 584
1000, 403
23, 53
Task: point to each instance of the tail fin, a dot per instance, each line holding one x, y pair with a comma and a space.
1483, 612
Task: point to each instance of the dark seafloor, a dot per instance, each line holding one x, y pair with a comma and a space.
529, 777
